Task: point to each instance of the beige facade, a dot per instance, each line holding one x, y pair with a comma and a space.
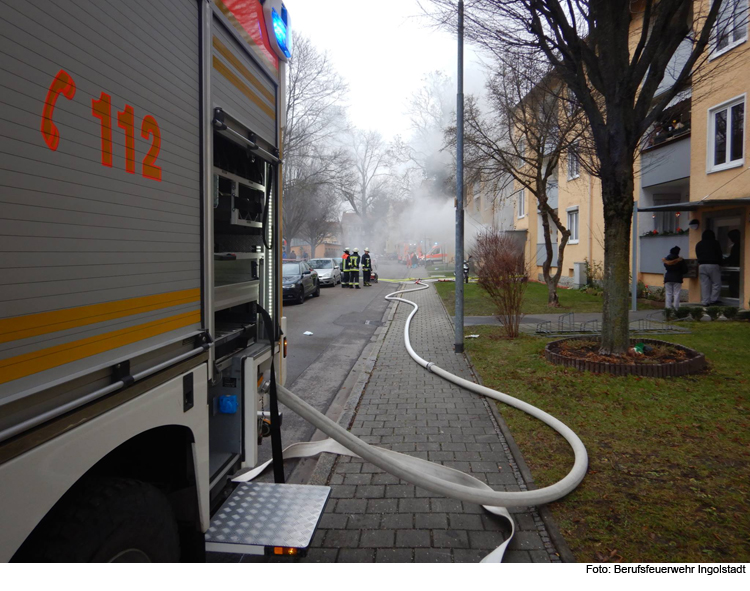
689, 162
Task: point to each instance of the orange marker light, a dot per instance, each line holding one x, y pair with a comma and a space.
285, 551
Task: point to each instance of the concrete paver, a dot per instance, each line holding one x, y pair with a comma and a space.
373, 516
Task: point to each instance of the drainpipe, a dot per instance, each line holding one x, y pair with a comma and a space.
591, 222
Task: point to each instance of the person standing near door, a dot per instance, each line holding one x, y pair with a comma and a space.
709, 255
676, 268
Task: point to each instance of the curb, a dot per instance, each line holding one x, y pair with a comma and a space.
563, 550
312, 471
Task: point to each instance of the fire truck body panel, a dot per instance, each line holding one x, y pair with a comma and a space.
139, 239
102, 262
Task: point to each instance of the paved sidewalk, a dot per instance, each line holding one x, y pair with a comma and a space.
373, 516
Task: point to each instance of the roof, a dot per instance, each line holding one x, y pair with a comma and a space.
693, 205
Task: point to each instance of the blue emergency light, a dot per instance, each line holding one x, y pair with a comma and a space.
280, 30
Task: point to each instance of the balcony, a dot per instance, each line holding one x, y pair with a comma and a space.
673, 125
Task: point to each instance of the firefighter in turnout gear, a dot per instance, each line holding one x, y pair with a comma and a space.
354, 269
366, 268
345, 268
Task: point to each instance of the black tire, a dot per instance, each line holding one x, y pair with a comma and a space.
301, 297
106, 520
316, 293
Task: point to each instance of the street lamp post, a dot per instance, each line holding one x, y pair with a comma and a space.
459, 316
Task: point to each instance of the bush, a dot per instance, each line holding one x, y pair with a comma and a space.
713, 312
743, 315
594, 273
730, 312
657, 294
682, 312
503, 275
696, 313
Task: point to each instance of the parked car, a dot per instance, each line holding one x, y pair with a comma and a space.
329, 270
299, 281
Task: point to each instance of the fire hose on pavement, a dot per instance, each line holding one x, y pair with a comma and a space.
430, 476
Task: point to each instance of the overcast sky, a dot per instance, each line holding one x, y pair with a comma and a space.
383, 48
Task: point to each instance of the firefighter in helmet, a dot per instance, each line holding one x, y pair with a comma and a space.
354, 269
345, 268
366, 268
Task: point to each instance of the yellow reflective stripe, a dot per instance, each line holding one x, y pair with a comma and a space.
38, 361
222, 69
240, 67
31, 325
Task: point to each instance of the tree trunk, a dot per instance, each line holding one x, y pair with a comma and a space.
617, 193
552, 299
551, 280
547, 265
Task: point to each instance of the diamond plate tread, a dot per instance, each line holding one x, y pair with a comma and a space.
264, 514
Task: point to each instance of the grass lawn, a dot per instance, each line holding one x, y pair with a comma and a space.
669, 459
478, 303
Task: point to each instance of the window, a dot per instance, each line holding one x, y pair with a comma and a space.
574, 165
731, 26
726, 135
521, 152
522, 204
573, 224
573, 106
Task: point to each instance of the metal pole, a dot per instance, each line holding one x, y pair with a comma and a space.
459, 317
634, 270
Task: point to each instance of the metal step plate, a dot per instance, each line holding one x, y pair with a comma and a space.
261, 515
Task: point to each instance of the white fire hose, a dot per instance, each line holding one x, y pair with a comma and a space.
430, 476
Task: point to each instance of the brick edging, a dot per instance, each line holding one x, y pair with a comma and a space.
695, 364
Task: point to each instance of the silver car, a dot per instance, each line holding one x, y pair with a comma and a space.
329, 270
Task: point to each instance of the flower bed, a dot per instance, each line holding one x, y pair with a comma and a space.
661, 359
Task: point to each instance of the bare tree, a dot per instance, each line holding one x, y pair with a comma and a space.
530, 127
431, 111
315, 117
613, 56
322, 218
370, 178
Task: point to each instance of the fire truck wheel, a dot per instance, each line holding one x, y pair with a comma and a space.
107, 520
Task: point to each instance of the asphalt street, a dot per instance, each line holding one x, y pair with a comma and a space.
342, 322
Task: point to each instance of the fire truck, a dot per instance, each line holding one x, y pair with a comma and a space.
141, 334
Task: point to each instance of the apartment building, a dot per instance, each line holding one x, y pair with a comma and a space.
694, 168
692, 176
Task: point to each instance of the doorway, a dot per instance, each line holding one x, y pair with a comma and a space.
728, 230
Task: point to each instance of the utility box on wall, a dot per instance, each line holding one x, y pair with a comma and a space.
580, 277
